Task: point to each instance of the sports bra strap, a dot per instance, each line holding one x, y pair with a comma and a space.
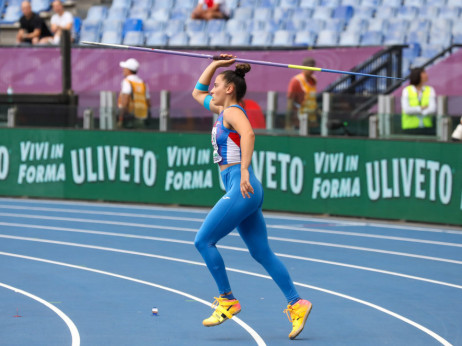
242, 109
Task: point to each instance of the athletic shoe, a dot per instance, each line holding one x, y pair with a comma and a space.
298, 314
225, 309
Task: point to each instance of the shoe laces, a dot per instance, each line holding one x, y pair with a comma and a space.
289, 312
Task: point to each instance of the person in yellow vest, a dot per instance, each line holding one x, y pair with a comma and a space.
301, 97
418, 104
134, 102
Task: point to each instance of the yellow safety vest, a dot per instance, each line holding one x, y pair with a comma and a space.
138, 105
309, 104
409, 121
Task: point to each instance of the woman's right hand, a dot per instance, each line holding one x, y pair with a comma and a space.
225, 62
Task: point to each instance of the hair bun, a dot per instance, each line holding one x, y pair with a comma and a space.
242, 69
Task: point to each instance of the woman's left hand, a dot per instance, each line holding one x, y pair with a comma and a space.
246, 187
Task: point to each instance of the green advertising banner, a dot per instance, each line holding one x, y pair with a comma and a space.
418, 181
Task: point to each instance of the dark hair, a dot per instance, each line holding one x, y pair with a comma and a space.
237, 77
415, 75
309, 62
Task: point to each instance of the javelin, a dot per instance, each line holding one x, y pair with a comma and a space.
216, 57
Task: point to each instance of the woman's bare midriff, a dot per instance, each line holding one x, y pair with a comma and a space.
223, 167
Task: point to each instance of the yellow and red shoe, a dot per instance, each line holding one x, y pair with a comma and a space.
225, 309
298, 314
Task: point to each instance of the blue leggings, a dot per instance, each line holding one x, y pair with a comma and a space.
233, 211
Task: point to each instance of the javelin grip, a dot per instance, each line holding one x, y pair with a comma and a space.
217, 57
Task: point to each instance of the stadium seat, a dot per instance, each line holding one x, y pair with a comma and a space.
283, 38
330, 3
263, 14
76, 28
450, 12
294, 25
457, 38
112, 25
180, 13
315, 25
186, 4
365, 12
301, 13
133, 24
268, 3
386, 12
398, 24
111, 37
152, 25
216, 25
372, 3
241, 38
378, 24
232, 4
337, 25
429, 12
309, 3
174, 27
195, 25
349, 39
134, 38
163, 4
199, 39
156, 39
234, 25
357, 25
441, 25
219, 39
457, 28
305, 38
121, 3
393, 3
421, 24
417, 36
354, 3
372, 38
243, 13
322, 13
178, 39
140, 13
343, 12
117, 13
282, 13
412, 52
440, 38
161, 14
12, 14
436, 2
327, 38
394, 37
40, 5
430, 51
261, 38
97, 13
145, 4
408, 12
416, 3
289, 3
263, 25
419, 61
249, 3
453, 3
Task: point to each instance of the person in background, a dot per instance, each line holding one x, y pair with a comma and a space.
134, 101
210, 9
61, 20
418, 104
233, 142
32, 28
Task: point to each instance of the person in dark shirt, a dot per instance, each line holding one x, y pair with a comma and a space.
32, 27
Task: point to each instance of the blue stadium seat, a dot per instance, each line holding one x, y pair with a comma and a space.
12, 14
180, 13
354, 3
450, 12
322, 13
199, 39
309, 3
378, 24
419, 61
156, 39
152, 25
216, 25
394, 37
234, 25
372, 3
457, 38
161, 14
261, 38
97, 13
40, 5
282, 13
249, 3
386, 12
163, 4
440, 38
76, 28
343, 12
301, 14
327, 38
241, 38
134, 38
140, 13
268, 3
436, 2
422, 24
195, 25
452, 3
408, 12
457, 28
365, 12
372, 38
441, 25
289, 3
263, 14
112, 25
430, 51
91, 36
336, 24
117, 13
294, 25
393, 3
283, 38
186, 4
132, 24
357, 25
412, 52
174, 27
111, 37
330, 3
305, 38
418, 36
178, 39
219, 39
263, 25
416, 3
14, 2
398, 24
232, 4
315, 25
121, 3
243, 13
145, 4
349, 39
429, 12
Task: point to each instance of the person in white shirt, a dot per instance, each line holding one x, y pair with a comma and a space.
61, 20
418, 104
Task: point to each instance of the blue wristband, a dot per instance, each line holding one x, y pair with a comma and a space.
207, 100
202, 87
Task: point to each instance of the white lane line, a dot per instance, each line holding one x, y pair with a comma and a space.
249, 329
132, 224
268, 214
234, 234
72, 328
360, 301
234, 248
